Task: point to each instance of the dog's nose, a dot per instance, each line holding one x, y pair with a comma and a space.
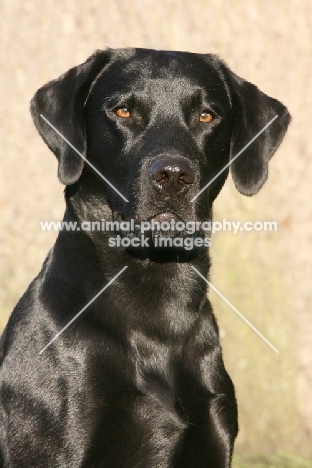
171, 175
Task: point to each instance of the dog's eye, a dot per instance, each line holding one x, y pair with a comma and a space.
205, 117
123, 112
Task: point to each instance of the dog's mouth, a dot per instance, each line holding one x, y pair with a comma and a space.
165, 236
165, 224
165, 216
168, 224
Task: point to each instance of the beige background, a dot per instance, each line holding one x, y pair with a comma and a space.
267, 276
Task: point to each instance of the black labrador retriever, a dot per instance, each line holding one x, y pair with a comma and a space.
137, 380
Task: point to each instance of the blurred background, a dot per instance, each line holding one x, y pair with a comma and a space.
266, 275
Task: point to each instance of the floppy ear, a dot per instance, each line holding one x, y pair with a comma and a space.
61, 102
252, 111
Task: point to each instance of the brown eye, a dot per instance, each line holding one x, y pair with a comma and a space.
205, 117
123, 112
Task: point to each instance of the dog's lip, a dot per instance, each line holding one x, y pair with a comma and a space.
164, 216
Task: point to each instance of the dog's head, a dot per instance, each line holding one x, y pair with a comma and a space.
159, 126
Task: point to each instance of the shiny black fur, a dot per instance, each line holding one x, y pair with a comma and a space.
138, 380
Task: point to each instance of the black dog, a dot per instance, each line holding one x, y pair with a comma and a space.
137, 380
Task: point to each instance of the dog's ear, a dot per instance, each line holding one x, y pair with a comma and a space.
252, 111
61, 102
